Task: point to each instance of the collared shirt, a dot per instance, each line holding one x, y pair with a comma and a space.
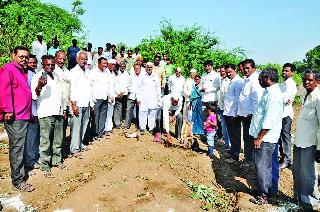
95, 60
64, 82
31, 73
39, 49
159, 71
250, 95
211, 83
129, 63
133, 85
289, 90
50, 100
231, 97
80, 87
149, 92
52, 51
308, 124
223, 89
108, 54
122, 82
72, 52
268, 115
167, 105
102, 84
176, 84
15, 93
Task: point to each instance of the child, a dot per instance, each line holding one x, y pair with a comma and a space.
210, 127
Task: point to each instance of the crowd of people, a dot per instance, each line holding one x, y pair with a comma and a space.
95, 93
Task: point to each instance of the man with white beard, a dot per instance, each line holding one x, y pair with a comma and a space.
148, 98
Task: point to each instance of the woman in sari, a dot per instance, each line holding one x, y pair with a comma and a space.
196, 105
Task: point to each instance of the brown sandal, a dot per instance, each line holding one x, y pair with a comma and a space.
25, 187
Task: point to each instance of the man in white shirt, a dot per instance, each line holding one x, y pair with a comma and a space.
289, 90
134, 79
230, 109
248, 102
64, 82
306, 148
148, 98
39, 48
100, 80
176, 82
46, 90
211, 83
81, 100
187, 93
96, 57
111, 96
121, 90
90, 54
265, 128
172, 105
223, 132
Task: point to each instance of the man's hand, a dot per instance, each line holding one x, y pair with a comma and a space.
120, 94
41, 82
75, 109
257, 143
8, 117
189, 107
172, 119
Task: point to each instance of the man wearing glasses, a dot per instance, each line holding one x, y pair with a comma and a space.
46, 89
15, 107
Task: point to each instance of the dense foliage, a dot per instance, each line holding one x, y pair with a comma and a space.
22, 20
188, 47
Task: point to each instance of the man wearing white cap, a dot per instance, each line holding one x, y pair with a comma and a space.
172, 105
148, 98
111, 96
39, 48
176, 82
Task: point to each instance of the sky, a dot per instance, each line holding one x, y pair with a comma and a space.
275, 31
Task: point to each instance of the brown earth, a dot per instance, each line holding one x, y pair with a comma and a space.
125, 174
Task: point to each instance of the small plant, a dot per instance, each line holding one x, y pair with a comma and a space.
210, 198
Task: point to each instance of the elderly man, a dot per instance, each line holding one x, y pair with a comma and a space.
100, 89
81, 100
148, 98
265, 128
248, 102
111, 96
210, 84
230, 109
15, 106
159, 71
289, 92
47, 91
306, 148
176, 82
172, 106
39, 48
132, 96
121, 90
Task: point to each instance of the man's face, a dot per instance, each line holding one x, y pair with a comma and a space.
74, 43
208, 68
174, 102
22, 58
156, 61
178, 73
100, 50
149, 69
165, 57
263, 81
123, 66
139, 62
230, 73
103, 65
241, 69
137, 69
192, 75
287, 73
111, 66
32, 63
130, 54
122, 53
60, 59
168, 62
248, 70
40, 38
82, 59
223, 72
48, 65
309, 82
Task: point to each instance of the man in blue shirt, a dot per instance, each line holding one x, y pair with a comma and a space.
72, 54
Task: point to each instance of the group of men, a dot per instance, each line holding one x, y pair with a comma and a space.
37, 98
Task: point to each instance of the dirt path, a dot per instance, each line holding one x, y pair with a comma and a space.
122, 174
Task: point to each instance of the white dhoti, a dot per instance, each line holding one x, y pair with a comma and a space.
149, 117
109, 124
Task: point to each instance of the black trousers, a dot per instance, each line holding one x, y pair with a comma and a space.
247, 138
285, 140
234, 131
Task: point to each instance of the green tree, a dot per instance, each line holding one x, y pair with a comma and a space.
188, 47
313, 58
22, 20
